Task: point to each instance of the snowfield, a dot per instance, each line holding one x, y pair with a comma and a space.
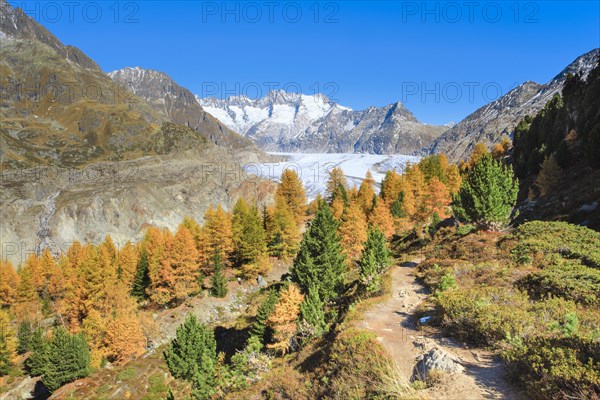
313, 169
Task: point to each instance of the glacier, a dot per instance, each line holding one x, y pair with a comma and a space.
313, 168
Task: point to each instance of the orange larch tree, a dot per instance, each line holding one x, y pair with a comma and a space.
353, 231
381, 218
218, 232
284, 317
366, 192
291, 191
9, 281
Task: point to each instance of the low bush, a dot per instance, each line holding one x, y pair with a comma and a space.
568, 240
570, 280
485, 315
556, 367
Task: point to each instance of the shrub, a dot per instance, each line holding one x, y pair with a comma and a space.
554, 367
485, 315
567, 240
127, 374
569, 280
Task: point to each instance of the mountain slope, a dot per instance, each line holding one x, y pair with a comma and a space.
292, 122
499, 118
80, 155
14, 23
177, 103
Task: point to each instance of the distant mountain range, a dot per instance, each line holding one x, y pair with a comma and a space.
291, 122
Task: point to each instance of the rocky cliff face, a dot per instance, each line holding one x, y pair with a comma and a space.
177, 103
292, 122
499, 118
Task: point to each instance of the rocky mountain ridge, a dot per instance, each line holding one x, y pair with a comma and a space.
497, 119
291, 122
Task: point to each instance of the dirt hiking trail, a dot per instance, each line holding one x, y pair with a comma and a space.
393, 321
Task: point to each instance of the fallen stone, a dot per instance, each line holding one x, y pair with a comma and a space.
436, 359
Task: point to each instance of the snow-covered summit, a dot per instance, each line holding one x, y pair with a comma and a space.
284, 121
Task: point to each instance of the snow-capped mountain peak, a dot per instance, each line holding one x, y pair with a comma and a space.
283, 121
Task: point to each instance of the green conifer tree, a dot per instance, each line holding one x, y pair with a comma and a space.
321, 261
141, 280
259, 327
69, 359
37, 362
311, 312
397, 208
487, 195
192, 356
218, 280
374, 261
24, 337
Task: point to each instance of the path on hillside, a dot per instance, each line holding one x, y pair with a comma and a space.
394, 324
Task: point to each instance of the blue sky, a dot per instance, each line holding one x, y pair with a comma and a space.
442, 59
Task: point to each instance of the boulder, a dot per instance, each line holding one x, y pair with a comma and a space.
436, 359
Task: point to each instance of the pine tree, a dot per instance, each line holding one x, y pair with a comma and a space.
487, 195
377, 244
353, 231
312, 316
260, 329
24, 337
548, 180
369, 275
9, 281
218, 280
284, 317
39, 359
397, 208
291, 191
374, 261
382, 219
141, 280
321, 261
69, 359
192, 356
